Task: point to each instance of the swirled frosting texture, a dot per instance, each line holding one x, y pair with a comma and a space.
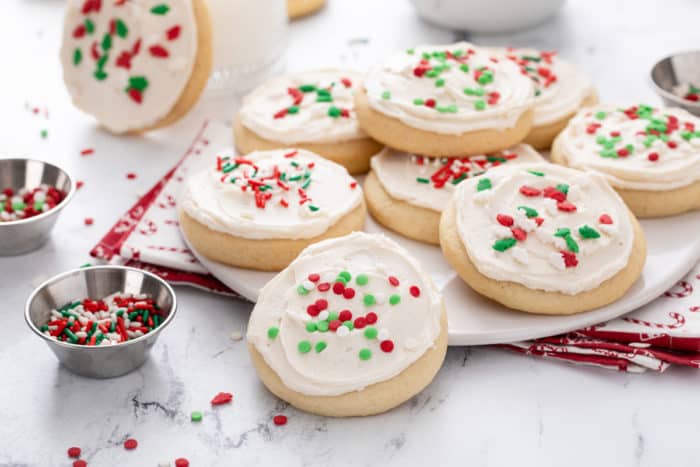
128, 62
638, 147
430, 182
347, 313
560, 88
450, 89
309, 107
282, 193
544, 226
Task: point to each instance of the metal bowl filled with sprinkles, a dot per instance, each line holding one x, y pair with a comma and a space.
101, 321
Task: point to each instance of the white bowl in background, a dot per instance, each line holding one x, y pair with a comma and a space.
487, 16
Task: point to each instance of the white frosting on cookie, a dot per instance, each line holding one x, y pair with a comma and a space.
309, 107
560, 88
383, 314
639, 148
430, 182
284, 193
446, 89
127, 62
544, 226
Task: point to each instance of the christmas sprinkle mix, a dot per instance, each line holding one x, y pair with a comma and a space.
538, 66
302, 98
113, 320
26, 203
453, 170
688, 92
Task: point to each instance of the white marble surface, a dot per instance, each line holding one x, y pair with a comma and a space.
486, 406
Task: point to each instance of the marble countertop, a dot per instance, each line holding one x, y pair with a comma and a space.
486, 407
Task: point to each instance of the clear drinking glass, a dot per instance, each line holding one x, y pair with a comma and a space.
249, 40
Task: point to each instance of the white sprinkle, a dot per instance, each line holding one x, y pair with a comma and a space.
550, 206
482, 197
383, 334
342, 331
322, 316
520, 255
608, 229
379, 298
556, 260
308, 285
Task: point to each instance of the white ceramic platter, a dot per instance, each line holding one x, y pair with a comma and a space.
673, 248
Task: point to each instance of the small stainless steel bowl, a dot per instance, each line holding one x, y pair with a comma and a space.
98, 282
669, 72
25, 235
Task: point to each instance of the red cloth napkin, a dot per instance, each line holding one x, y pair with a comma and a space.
664, 332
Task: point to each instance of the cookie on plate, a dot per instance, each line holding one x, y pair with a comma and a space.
136, 65
560, 91
651, 156
260, 210
313, 110
543, 238
299, 8
352, 327
407, 193
446, 100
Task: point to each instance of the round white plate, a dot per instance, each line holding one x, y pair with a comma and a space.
673, 248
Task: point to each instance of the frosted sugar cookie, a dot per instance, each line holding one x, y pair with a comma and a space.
352, 327
407, 193
312, 110
260, 210
446, 100
560, 91
651, 156
298, 8
136, 65
543, 238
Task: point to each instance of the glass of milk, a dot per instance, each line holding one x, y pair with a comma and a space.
249, 38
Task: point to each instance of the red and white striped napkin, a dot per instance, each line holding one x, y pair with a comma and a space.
663, 333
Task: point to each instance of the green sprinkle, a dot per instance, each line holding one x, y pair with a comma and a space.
386, 95
101, 61
480, 104
100, 74
322, 326
160, 9
483, 184
324, 98
394, 299
368, 299
301, 290
349, 324
138, 82
586, 231
44, 133
439, 83
601, 115
334, 111
418, 102
87, 265
345, 275
562, 232
563, 187
459, 179
422, 180
410, 51
486, 77
313, 208
464, 67
323, 92
332, 316
196, 416
121, 28
311, 326
529, 212
304, 346
320, 346
432, 73
504, 243
571, 244
293, 109
536, 173
307, 88
362, 279
106, 43
365, 354
89, 26
272, 332
72, 337
77, 56
371, 332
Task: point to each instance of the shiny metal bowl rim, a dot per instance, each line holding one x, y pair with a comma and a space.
98, 348
56, 209
679, 101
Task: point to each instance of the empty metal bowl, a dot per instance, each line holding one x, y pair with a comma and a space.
98, 282
676, 70
25, 235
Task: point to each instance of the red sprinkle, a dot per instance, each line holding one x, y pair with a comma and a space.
623, 152
360, 322
173, 33
430, 103
87, 152
346, 82
182, 462
321, 304
654, 156
334, 325
605, 219
74, 451
135, 95
222, 398
505, 220
345, 315
371, 317
314, 277
130, 443
323, 287
672, 144
414, 290
519, 234
566, 206
338, 288
89, 221
551, 192
349, 293
312, 310
291, 154
279, 420
79, 463
529, 191
393, 281
158, 51
570, 260
387, 345
131, 175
